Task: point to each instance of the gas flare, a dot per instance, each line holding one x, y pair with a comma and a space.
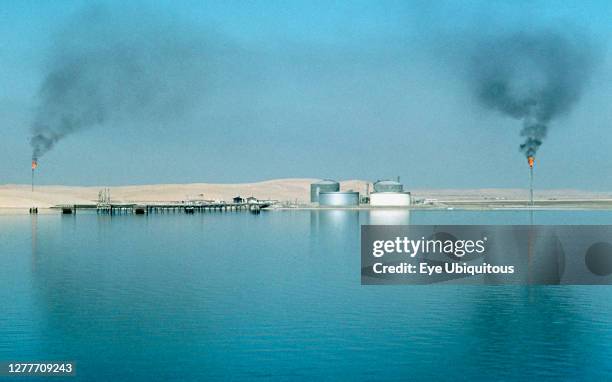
34, 165
531, 161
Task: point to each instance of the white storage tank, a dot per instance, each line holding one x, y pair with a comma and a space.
390, 199
388, 186
339, 199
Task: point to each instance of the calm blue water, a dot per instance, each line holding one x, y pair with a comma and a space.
278, 296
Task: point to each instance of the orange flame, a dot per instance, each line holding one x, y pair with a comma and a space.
531, 161
34, 164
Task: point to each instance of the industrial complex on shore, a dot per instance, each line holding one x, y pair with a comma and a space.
386, 193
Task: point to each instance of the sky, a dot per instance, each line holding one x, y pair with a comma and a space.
241, 91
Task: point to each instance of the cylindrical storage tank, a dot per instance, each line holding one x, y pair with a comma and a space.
388, 186
390, 199
326, 185
339, 199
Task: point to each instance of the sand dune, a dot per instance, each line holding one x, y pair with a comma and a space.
20, 196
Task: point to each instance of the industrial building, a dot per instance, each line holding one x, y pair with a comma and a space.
390, 199
389, 193
388, 186
326, 185
339, 199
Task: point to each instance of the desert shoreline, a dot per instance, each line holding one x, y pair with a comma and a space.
293, 193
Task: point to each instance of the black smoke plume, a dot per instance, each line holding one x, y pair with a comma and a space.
533, 77
127, 66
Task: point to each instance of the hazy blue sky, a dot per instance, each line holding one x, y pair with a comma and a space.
322, 89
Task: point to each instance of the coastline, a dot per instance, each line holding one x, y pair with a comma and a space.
293, 194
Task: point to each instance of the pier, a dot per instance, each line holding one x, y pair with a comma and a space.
165, 208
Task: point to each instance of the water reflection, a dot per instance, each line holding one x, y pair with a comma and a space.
389, 216
336, 221
34, 233
539, 328
171, 296
110, 284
